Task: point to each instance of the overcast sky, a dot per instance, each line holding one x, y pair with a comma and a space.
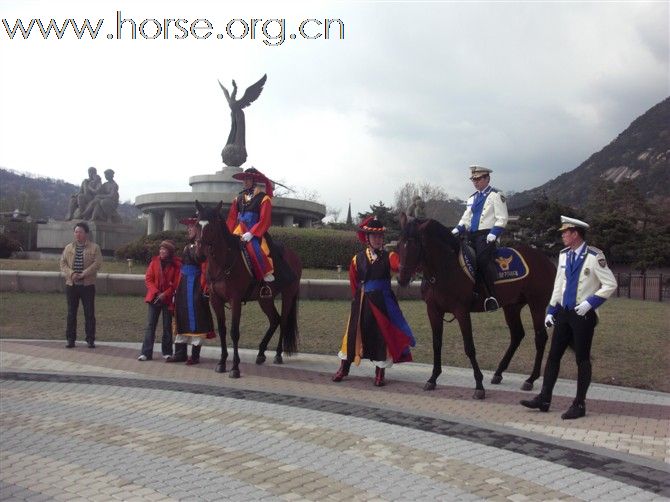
416, 91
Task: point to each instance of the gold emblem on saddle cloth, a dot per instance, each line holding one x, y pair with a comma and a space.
503, 263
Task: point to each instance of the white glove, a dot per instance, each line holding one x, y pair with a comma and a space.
455, 231
583, 308
490, 238
549, 321
247, 236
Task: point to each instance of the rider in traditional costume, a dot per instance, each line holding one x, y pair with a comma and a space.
376, 329
484, 219
250, 217
193, 318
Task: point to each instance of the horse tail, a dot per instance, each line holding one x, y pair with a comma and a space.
289, 323
289, 308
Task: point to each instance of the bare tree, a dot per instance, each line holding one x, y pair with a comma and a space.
332, 214
406, 194
439, 205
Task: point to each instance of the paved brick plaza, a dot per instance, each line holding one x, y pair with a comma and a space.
99, 425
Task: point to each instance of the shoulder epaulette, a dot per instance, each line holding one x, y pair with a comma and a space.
495, 190
565, 250
593, 250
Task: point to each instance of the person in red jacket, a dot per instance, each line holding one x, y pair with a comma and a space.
250, 217
161, 279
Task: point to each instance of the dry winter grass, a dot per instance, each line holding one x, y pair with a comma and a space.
631, 345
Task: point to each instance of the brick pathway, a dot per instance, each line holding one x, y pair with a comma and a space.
99, 425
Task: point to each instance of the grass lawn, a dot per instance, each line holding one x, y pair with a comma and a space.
119, 267
630, 347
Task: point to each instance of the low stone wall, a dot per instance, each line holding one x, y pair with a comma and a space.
133, 284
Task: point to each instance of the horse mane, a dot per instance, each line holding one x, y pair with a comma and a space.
214, 217
434, 229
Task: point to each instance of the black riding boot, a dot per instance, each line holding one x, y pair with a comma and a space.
179, 355
489, 276
195, 355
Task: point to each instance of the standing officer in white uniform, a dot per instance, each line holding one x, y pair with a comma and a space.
484, 219
583, 283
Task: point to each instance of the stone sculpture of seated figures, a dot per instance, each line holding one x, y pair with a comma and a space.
80, 200
104, 204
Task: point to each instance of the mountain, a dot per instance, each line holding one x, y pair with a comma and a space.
641, 153
43, 197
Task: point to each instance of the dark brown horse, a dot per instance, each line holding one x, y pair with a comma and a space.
230, 282
428, 246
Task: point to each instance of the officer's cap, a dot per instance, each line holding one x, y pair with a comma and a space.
568, 223
477, 171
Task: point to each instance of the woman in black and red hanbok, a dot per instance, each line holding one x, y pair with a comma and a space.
376, 329
192, 319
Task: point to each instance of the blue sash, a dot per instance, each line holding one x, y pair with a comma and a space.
192, 273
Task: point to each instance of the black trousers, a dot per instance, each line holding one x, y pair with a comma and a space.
576, 331
85, 294
484, 256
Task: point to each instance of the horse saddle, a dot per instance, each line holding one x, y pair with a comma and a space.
509, 264
282, 271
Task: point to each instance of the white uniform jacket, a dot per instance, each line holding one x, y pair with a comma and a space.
493, 215
595, 284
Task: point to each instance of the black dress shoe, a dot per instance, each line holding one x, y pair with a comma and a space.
91, 345
69, 345
537, 403
575, 411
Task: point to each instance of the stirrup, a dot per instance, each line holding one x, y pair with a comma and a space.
491, 304
265, 291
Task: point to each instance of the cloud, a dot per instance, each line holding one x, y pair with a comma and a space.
415, 92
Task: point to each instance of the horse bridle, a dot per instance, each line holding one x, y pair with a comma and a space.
414, 239
224, 272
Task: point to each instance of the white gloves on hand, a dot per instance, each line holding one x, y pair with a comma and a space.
247, 236
455, 231
490, 238
583, 308
549, 321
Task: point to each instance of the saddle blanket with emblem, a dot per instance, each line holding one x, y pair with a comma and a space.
510, 264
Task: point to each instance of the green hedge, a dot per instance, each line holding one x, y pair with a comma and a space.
144, 248
8, 246
317, 247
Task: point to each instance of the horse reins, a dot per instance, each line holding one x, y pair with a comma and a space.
432, 280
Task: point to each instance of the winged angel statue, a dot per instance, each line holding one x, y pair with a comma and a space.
234, 154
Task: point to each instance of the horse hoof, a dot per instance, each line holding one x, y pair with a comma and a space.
479, 394
429, 386
260, 359
234, 374
496, 379
278, 359
220, 368
527, 385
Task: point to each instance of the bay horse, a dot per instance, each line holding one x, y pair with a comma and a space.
230, 282
428, 246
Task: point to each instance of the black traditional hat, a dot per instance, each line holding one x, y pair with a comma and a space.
257, 177
370, 225
193, 220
